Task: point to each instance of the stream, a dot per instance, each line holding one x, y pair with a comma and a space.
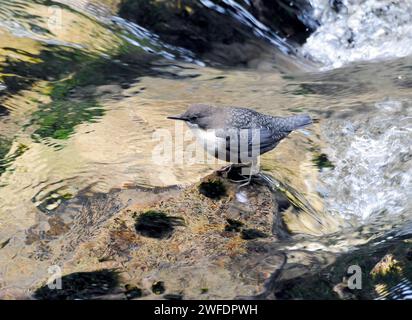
85, 86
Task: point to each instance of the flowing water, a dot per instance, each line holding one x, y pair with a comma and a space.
83, 92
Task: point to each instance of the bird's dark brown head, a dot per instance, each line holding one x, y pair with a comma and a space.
202, 115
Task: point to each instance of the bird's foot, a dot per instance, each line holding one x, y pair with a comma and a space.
244, 181
234, 173
229, 167
225, 169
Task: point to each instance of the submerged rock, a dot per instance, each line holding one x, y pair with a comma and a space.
199, 260
382, 269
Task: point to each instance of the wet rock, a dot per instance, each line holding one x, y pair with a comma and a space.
291, 19
385, 270
387, 265
219, 37
196, 261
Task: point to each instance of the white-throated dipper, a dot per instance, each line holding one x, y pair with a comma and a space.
238, 135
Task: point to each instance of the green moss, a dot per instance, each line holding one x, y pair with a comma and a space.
321, 161
250, 234
58, 119
214, 189
5, 146
233, 225
156, 224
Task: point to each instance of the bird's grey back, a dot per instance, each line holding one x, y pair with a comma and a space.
242, 118
263, 132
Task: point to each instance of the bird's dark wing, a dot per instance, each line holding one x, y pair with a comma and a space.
260, 140
270, 138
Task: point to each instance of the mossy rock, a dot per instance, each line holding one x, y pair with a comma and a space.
214, 189
250, 234
322, 161
382, 268
58, 119
158, 288
233, 225
5, 145
156, 224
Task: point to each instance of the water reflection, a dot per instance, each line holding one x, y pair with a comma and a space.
80, 106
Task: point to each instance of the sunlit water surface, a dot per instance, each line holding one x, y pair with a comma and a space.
352, 168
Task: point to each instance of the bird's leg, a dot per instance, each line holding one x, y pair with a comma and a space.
230, 167
248, 179
225, 168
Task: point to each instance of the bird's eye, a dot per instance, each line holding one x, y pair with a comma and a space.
192, 119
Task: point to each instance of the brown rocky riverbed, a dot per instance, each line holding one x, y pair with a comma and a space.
210, 240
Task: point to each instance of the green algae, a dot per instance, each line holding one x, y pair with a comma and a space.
156, 224
58, 119
7, 159
5, 146
214, 189
322, 161
250, 234
233, 225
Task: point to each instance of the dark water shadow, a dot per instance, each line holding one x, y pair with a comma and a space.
81, 285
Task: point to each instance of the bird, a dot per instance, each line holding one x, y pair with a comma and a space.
238, 135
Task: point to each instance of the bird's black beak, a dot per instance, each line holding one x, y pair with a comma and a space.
178, 117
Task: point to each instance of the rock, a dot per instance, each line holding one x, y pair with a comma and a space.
220, 37
197, 259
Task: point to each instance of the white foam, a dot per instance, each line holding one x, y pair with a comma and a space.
373, 166
361, 30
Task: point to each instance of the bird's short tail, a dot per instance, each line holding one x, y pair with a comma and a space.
298, 121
